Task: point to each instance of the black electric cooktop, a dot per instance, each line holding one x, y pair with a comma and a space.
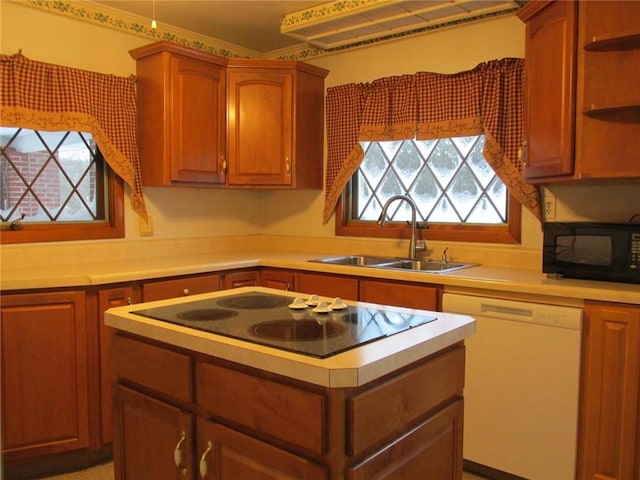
267, 319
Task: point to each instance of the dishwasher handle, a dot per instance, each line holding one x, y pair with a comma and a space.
517, 311
512, 310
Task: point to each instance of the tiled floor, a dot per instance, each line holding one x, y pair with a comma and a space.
105, 472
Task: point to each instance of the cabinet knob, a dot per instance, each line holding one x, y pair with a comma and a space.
204, 468
177, 454
185, 291
224, 164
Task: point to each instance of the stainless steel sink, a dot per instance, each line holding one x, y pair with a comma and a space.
431, 266
393, 263
355, 260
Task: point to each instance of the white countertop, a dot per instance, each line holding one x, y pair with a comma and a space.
351, 368
509, 280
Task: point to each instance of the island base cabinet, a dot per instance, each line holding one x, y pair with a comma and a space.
252, 424
225, 454
431, 450
152, 439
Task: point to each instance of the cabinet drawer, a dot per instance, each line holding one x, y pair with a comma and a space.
179, 287
281, 411
393, 407
164, 371
327, 285
400, 294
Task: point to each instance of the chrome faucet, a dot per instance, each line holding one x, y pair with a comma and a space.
383, 218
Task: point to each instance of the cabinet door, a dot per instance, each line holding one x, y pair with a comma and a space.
239, 278
432, 450
179, 287
400, 294
327, 285
610, 394
276, 278
108, 298
225, 454
197, 121
44, 374
550, 85
260, 125
152, 439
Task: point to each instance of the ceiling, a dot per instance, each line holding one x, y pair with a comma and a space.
247, 23
269, 25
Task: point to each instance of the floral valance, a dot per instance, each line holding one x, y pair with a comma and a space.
49, 97
486, 100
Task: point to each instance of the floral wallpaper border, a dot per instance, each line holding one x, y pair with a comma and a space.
114, 19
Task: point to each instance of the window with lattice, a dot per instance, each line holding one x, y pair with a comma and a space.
448, 179
56, 185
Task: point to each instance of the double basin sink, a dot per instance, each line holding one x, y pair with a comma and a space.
393, 263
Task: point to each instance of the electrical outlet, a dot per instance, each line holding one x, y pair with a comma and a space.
549, 205
145, 228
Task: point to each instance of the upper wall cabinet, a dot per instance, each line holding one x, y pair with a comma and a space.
194, 109
275, 113
582, 111
608, 121
181, 115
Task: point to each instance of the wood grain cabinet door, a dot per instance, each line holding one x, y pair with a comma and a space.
153, 439
260, 127
197, 121
225, 454
44, 374
550, 52
609, 447
108, 298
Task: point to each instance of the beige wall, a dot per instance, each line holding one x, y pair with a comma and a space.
187, 212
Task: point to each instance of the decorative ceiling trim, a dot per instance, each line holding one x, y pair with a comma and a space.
341, 23
118, 20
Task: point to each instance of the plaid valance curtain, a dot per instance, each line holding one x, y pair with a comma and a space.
487, 100
48, 97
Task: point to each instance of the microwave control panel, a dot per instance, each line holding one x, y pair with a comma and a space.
635, 250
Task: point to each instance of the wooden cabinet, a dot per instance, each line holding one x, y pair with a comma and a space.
153, 440
433, 448
181, 115
275, 124
239, 278
256, 425
45, 406
608, 121
108, 298
610, 400
582, 109
400, 294
227, 454
194, 109
277, 278
327, 285
179, 287
550, 51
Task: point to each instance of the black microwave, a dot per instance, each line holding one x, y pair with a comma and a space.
594, 251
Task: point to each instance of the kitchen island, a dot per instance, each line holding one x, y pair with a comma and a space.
213, 406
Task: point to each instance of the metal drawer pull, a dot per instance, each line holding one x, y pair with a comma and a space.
177, 454
204, 468
185, 291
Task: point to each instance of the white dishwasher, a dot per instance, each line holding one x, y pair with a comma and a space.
521, 387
